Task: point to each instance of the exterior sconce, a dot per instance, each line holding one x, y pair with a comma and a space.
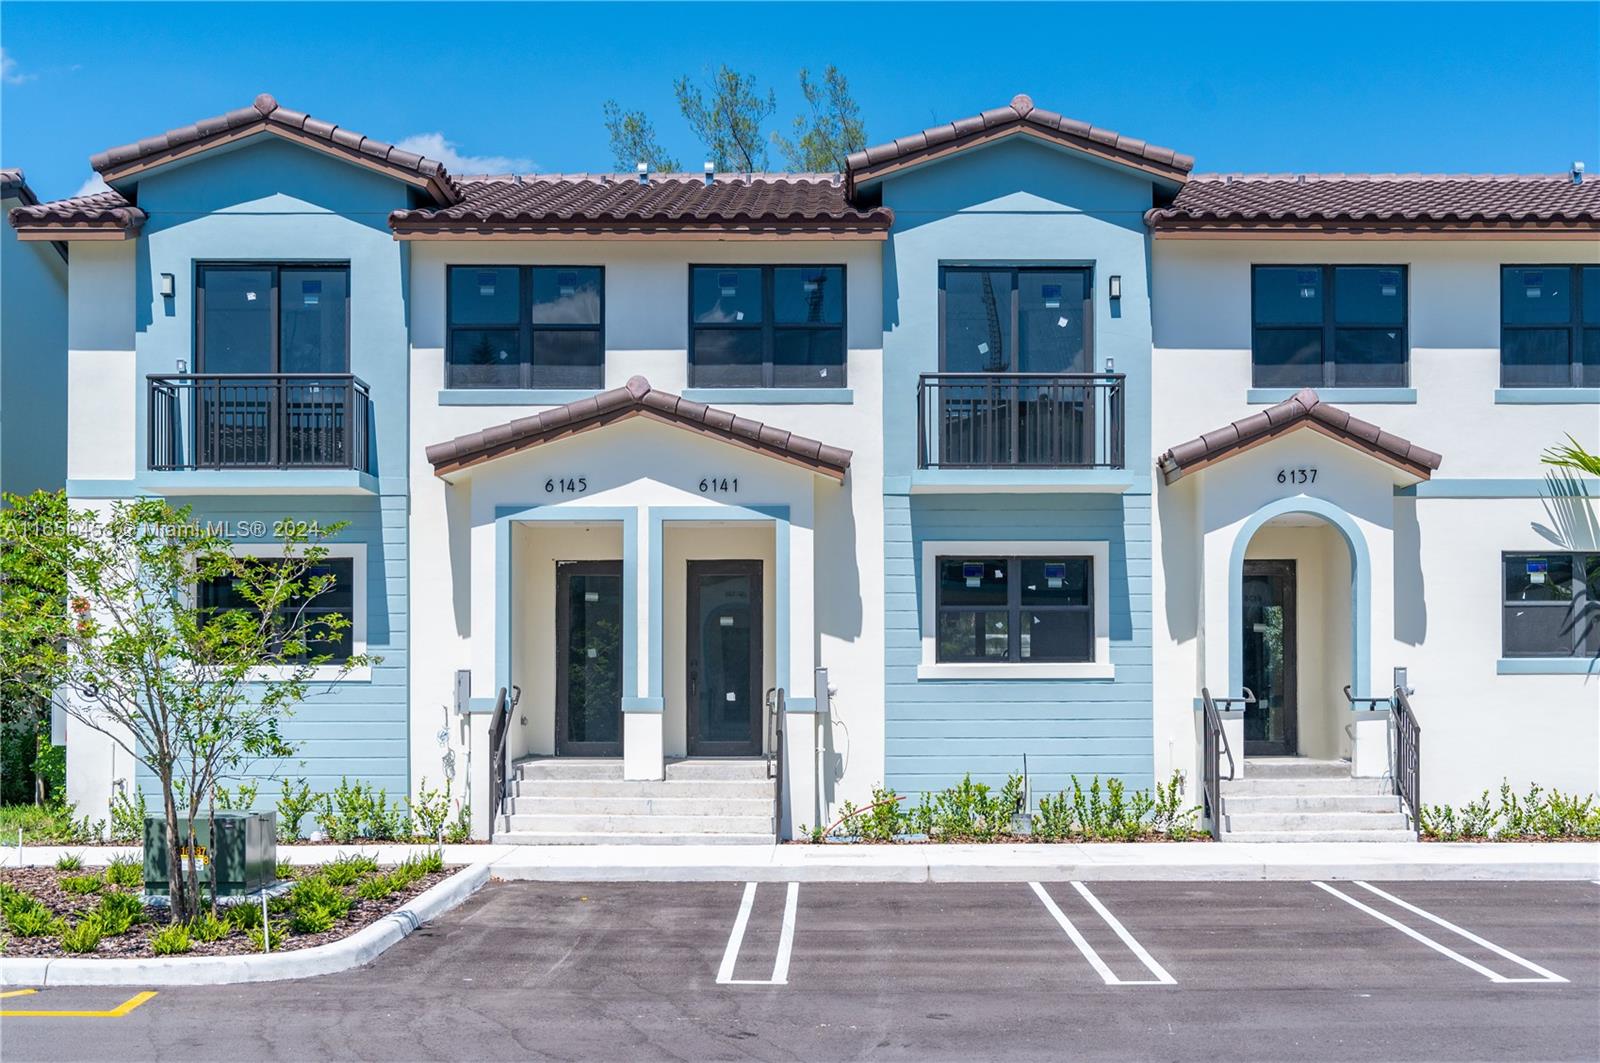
1115, 290
169, 285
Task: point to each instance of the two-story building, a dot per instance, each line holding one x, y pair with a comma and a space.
689, 506
33, 359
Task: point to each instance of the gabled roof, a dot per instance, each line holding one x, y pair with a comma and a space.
1310, 204
98, 216
636, 399
664, 204
265, 115
1302, 410
1019, 117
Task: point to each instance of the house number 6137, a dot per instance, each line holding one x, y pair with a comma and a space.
1297, 476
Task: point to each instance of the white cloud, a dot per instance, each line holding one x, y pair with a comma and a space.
436, 147
10, 73
92, 185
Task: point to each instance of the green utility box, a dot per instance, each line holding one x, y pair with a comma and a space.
242, 858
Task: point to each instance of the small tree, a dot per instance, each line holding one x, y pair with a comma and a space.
633, 140
824, 138
727, 117
134, 653
28, 583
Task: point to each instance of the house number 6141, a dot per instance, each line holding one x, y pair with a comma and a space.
1297, 476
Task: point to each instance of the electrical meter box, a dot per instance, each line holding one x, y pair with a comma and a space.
242, 858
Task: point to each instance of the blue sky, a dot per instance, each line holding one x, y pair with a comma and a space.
1435, 87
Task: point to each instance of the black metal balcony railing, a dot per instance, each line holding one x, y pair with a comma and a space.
1020, 420
266, 421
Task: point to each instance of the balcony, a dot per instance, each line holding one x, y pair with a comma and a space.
266, 422
1020, 421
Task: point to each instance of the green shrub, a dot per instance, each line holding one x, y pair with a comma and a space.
431, 861
347, 869
315, 891
207, 927
48, 824
241, 800
284, 871
312, 919
11, 896
295, 803
375, 888
1053, 821
171, 940
125, 871
85, 937
69, 862
356, 810
128, 813
245, 915
31, 921
430, 811
460, 828
1536, 814
971, 811
414, 868
258, 934
118, 912
81, 884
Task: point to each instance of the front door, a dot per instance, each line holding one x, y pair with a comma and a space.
724, 658
589, 658
1269, 659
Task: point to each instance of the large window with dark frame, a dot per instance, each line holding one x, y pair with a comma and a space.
1329, 326
766, 327
1551, 606
1550, 326
526, 327
1016, 319
1015, 609
267, 318
216, 596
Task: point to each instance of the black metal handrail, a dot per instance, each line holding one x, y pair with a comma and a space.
1408, 758
259, 421
1020, 420
499, 728
775, 710
1372, 704
1214, 747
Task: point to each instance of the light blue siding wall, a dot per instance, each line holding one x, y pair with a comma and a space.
1016, 203
271, 201
33, 364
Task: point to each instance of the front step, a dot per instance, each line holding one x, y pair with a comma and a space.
1292, 799
1253, 786
557, 823
1320, 836
594, 769
556, 838
1307, 802
1295, 768
1295, 822
642, 805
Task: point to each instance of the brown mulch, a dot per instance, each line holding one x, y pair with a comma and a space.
43, 883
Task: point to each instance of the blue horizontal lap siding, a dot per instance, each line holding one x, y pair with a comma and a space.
351, 728
937, 731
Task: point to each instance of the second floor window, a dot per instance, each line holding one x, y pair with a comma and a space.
1024, 320
1329, 326
766, 327
1550, 326
526, 327
263, 319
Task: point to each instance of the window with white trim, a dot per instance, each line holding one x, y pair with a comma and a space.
1015, 609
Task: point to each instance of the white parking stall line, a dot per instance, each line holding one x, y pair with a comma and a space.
741, 922
1544, 975
1443, 950
1106, 974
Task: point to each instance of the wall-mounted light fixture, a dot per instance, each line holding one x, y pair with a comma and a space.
1115, 289
169, 285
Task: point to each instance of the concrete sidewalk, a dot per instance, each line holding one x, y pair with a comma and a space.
1148, 861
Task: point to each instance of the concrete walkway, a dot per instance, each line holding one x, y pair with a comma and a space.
1154, 861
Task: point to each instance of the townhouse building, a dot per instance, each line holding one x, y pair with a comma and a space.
33, 339
690, 506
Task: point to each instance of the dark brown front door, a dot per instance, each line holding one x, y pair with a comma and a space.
724, 658
589, 658
1271, 724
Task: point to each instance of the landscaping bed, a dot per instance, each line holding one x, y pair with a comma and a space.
67, 911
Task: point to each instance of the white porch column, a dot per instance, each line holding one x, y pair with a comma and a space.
643, 712
801, 805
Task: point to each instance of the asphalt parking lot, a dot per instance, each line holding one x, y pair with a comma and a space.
1108, 970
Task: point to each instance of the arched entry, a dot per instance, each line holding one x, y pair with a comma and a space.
1359, 585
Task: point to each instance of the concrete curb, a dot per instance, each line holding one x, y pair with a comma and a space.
361, 947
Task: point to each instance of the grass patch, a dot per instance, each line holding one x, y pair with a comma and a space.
44, 825
69, 862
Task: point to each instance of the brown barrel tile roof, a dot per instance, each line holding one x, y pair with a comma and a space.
266, 114
1020, 115
108, 211
14, 185
665, 203
1302, 408
1355, 202
636, 399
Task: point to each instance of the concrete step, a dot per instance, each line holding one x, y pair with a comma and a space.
1295, 768
653, 823
708, 789
1313, 821
559, 838
596, 769
1262, 786
1319, 836
626, 804
1249, 803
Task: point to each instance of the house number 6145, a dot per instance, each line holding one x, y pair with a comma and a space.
1297, 476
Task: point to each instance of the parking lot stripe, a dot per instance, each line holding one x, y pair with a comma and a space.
114, 1013
1107, 975
17, 993
741, 922
1443, 950
1162, 977
1544, 975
